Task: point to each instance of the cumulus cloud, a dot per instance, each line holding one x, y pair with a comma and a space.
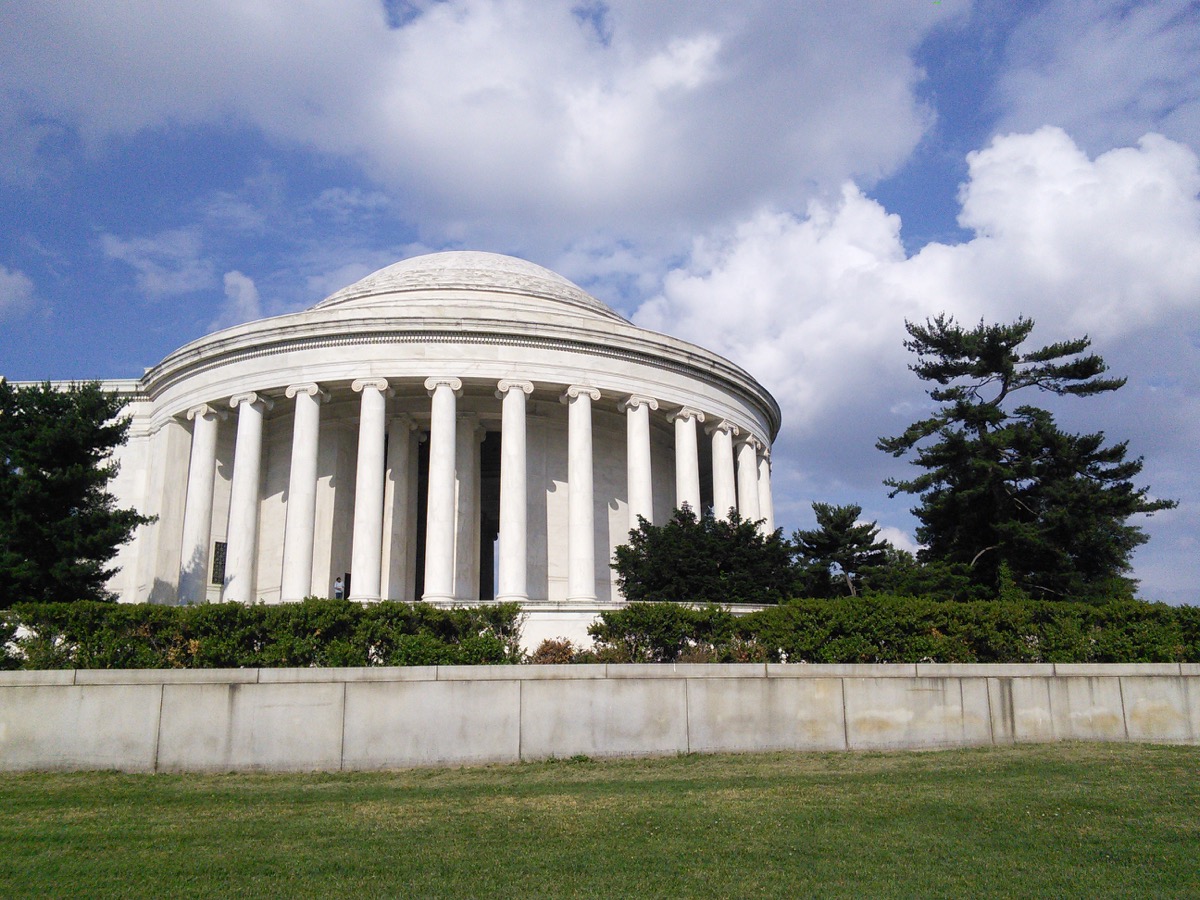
166, 264
16, 292
814, 305
242, 303
623, 115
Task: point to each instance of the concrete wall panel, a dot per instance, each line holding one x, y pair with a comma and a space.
1031, 718
249, 727
603, 718
886, 713
1087, 708
749, 714
1156, 709
422, 723
72, 727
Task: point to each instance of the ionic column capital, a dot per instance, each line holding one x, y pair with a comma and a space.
723, 425
309, 387
686, 412
633, 401
205, 409
580, 390
750, 440
434, 381
380, 384
504, 385
250, 398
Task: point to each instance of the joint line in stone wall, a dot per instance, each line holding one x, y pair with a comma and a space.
1124, 715
687, 714
342, 743
845, 716
158, 728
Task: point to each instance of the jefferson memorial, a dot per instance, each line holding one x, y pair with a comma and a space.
457, 428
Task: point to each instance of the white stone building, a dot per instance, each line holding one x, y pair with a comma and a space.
457, 427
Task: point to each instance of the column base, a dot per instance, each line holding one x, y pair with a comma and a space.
438, 598
364, 598
511, 598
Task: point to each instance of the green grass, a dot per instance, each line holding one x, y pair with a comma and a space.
1081, 820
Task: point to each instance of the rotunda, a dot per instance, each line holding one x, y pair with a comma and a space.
459, 427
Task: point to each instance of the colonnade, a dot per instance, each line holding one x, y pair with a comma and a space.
740, 480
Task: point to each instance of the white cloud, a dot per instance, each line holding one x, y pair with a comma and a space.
167, 264
1106, 70
483, 109
17, 294
814, 305
901, 540
242, 303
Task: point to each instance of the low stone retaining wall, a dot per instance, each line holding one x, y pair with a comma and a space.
219, 720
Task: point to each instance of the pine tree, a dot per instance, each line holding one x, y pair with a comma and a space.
839, 546
1008, 487
59, 525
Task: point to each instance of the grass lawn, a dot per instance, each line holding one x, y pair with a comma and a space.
1065, 820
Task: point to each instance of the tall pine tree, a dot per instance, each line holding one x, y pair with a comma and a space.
1004, 489
59, 525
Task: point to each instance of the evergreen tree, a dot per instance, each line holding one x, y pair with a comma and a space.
705, 560
839, 546
59, 526
1006, 490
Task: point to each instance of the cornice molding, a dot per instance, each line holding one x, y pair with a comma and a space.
707, 368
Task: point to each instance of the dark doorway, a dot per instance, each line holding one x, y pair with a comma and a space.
489, 513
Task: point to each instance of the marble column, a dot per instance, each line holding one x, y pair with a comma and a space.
198, 504
687, 459
766, 505
399, 505
366, 548
638, 473
581, 541
747, 479
241, 552
439, 529
512, 583
724, 487
296, 578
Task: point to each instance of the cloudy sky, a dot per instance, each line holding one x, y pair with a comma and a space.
782, 182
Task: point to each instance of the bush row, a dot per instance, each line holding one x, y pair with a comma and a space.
316, 632
319, 632
889, 629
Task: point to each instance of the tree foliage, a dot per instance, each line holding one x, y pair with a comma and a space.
1004, 489
705, 560
59, 525
834, 555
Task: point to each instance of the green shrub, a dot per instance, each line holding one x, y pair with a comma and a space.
889, 629
315, 632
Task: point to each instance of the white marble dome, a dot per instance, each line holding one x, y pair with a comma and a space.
457, 427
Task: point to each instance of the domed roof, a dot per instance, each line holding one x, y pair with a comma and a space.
468, 270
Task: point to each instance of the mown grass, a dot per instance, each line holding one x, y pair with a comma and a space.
1083, 820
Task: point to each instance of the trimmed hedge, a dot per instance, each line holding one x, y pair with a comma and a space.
887, 629
316, 632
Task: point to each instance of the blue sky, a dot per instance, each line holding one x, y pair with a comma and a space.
783, 183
